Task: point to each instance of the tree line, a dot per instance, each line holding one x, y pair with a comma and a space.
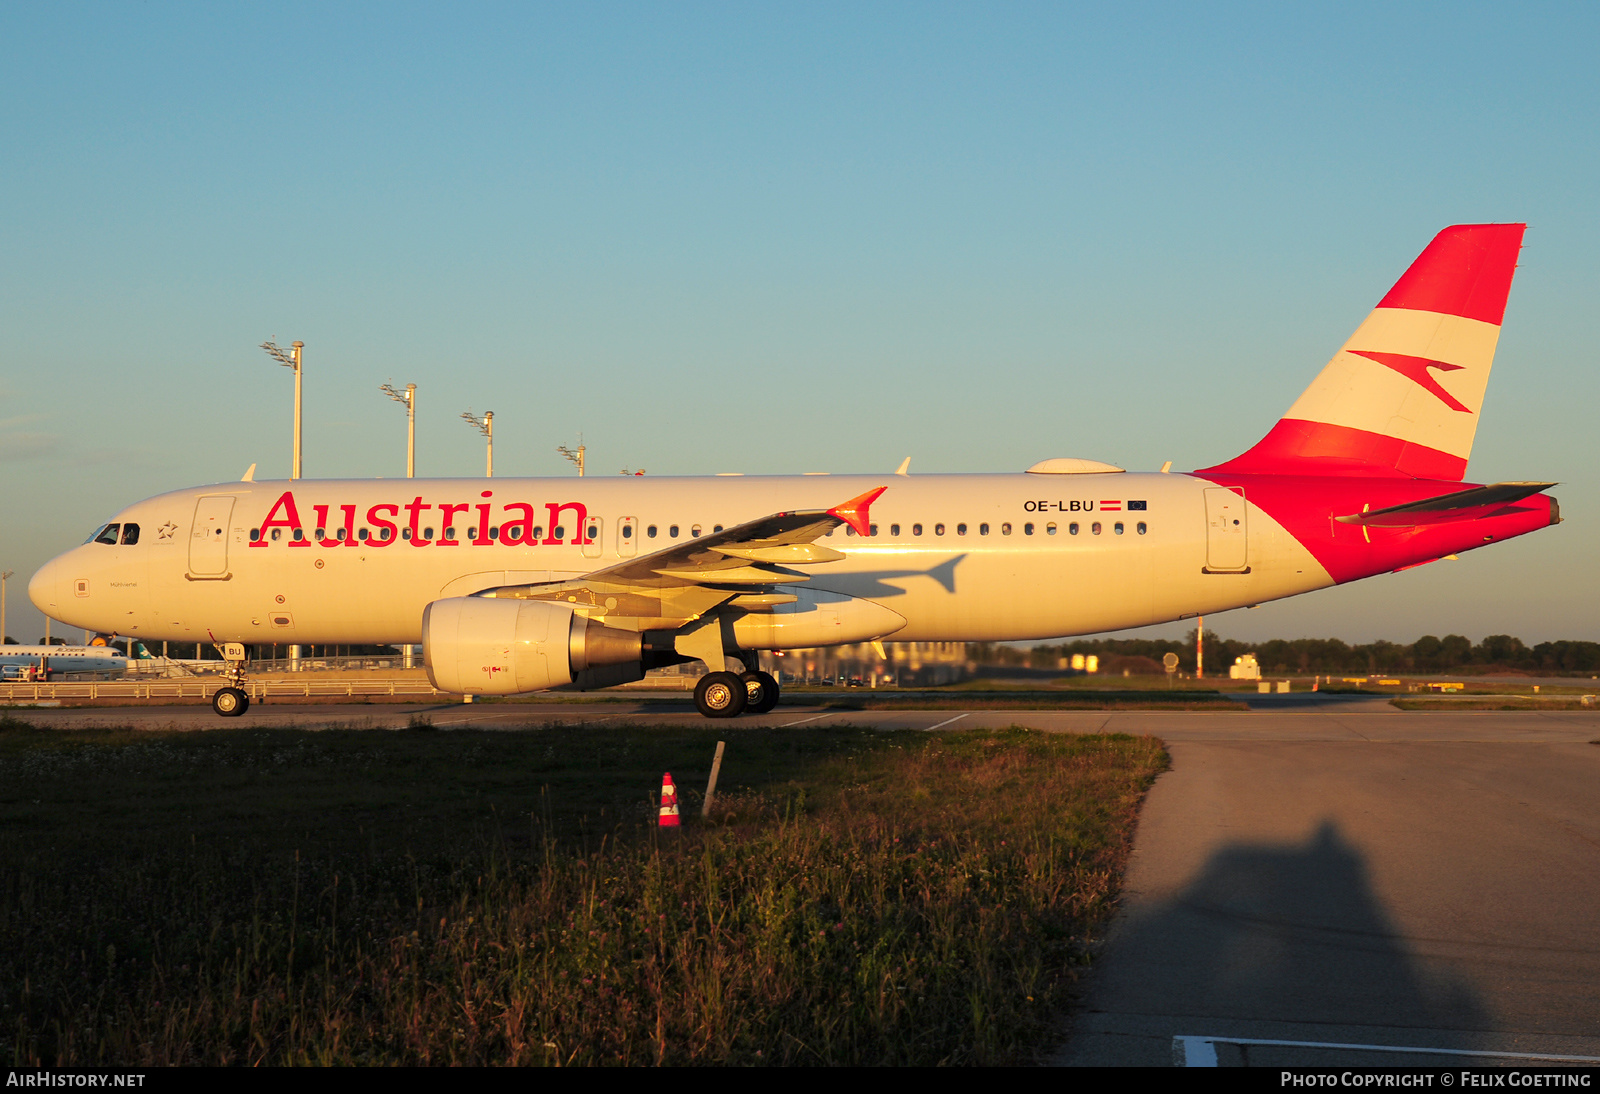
1308, 656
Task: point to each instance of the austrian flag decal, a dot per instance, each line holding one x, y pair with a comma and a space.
1111, 506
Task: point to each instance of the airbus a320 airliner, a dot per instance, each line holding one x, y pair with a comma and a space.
517, 585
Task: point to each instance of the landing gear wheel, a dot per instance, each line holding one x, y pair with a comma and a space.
760, 692
230, 702
720, 695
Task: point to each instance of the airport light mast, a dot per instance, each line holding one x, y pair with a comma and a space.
290, 360
4, 577
408, 397
575, 457
484, 425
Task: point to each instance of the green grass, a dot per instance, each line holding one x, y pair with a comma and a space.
419, 897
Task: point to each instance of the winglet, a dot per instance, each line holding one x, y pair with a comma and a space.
904, 469
250, 475
855, 511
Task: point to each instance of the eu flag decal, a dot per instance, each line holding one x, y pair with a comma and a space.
1132, 505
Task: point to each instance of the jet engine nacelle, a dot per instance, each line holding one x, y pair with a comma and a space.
482, 646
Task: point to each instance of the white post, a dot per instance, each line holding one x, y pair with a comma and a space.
711, 787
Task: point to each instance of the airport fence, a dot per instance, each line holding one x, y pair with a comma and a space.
201, 688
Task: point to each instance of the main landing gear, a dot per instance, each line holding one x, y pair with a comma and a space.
727, 694
760, 691
232, 700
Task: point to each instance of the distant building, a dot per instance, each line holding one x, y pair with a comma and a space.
1245, 668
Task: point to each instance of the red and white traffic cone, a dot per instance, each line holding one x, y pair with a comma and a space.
669, 802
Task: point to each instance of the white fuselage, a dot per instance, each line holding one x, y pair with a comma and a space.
959, 557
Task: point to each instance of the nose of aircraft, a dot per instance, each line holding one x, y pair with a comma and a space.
44, 587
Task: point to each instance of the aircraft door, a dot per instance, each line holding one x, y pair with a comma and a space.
1227, 532
208, 538
627, 536
593, 537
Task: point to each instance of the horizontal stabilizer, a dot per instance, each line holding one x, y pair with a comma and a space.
1461, 505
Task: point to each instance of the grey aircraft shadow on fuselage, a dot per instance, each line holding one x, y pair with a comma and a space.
873, 584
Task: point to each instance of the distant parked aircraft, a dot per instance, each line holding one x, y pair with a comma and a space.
73, 660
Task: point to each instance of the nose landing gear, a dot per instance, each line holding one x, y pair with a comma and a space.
232, 700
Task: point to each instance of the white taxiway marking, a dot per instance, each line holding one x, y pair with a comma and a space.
1202, 1051
803, 721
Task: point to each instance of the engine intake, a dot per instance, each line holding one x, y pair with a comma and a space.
483, 646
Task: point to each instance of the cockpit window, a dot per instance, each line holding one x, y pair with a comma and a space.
130, 534
108, 534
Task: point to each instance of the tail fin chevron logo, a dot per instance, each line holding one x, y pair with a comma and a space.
1416, 369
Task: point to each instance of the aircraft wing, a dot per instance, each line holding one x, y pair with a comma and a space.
685, 580
753, 553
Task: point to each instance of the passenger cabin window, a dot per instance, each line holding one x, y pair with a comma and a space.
717, 528
108, 534
1117, 527
983, 529
938, 529
894, 529
255, 534
363, 534
1005, 529
1095, 528
673, 531
872, 529
627, 531
961, 529
695, 531
320, 533
916, 529
277, 534
1050, 529
1027, 529
651, 531
1142, 528
299, 534
1072, 529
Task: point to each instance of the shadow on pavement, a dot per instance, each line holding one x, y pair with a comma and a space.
1269, 941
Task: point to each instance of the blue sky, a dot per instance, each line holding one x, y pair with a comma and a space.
774, 239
